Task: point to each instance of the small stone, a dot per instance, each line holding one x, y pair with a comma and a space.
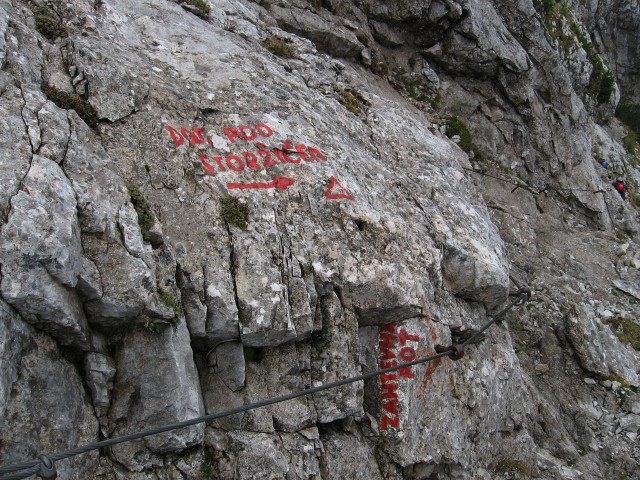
606, 314
541, 368
615, 386
607, 384
630, 423
589, 381
632, 436
635, 408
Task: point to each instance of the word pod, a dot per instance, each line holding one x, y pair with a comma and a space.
394, 348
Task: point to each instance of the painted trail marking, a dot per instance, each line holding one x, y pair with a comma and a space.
336, 191
281, 183
262, 158
389, 338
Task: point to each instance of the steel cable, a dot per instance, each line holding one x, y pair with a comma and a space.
34, 465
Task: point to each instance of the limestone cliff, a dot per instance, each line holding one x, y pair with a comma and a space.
210, 203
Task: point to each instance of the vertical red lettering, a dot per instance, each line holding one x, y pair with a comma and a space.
386, 354
408, 354
247, 136
208, 168
386, 343
175, 136
390, 422
252, 161
231, 134
406, 372
404, 336
316, 154
390, 364
391, 406
389, 390
387, 377
235, 163
264, 130
389, 327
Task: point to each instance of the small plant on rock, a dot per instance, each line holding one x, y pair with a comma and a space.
69, 101
48, 24
235, 212
199, 7
455, 126
146, 219
278, 47
170, 301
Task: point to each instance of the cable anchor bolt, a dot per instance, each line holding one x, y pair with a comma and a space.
47, 468
456, 351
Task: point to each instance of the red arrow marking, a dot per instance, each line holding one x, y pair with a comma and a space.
281, 183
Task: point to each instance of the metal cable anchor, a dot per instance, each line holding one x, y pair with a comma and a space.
47, 468
456, 351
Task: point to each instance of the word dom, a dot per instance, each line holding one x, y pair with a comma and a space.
389, 338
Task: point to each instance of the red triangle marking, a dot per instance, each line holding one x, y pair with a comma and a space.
336, 191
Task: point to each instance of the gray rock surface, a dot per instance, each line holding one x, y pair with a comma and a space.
128, 301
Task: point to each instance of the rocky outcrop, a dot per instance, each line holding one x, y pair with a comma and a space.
220, 207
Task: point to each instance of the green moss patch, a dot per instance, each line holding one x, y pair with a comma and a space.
199, 7
235, 212
627, 331
455, 126
146, 219
509, 465
170, 301
278, 47
48, 25
69, 101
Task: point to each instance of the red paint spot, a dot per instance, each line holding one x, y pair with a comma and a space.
404, 336
218, 161
252, 161
248, 136
266, 154
406, 372
388, 377
387, 342
264, 130
389, 390
391, 406
384, 365
408, 354
208, 168
336, 191
388, 327
316, 154
175, 136
280, 183
301, 151
431, 368
231, 133
390, 422
235, 163
386, 354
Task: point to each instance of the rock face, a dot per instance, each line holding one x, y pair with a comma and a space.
205, 208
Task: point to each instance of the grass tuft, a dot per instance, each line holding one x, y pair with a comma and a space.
235, 212
146, 219
278, 47
455, 126
48, 24
69, 101
627, 331
170, 301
